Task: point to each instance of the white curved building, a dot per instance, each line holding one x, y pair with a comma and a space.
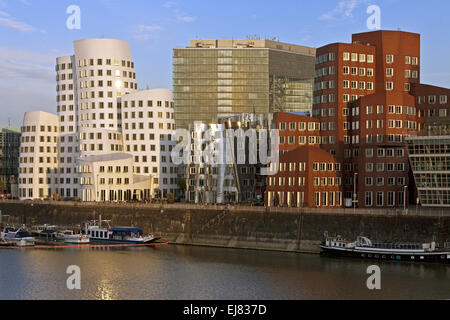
148, 126
92, 86
38, 161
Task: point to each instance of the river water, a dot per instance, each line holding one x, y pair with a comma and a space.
193, 273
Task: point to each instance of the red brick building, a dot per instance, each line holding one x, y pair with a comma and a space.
431, 102
297, 131
367, 98
308, 177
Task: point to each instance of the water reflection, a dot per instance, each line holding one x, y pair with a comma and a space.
210, 273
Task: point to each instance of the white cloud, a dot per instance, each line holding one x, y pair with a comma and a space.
7, 21
344, 9
20, 56
27, 82
181, 16
19, 64
25, 2
143, 32
169, 4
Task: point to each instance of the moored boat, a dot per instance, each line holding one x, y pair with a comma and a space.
46, 232
118, 235
364, 248
17, 237
70, 236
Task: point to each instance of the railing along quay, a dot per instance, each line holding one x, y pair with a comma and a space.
412, 210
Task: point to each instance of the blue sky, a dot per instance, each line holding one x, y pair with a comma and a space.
33, 33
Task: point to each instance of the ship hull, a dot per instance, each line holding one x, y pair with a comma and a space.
114, 241
427, 257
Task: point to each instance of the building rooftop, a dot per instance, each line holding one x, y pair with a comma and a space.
250, 43
10, 130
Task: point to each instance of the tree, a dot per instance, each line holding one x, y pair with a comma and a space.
2, 185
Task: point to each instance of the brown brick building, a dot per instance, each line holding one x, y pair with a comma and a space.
367, 98
308, 177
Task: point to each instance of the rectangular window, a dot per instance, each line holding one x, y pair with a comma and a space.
380, 200
368, 199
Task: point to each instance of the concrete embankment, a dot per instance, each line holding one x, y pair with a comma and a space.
288, 230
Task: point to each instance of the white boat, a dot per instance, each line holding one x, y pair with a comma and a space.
364, 248
69, 236
17, 237
118, 235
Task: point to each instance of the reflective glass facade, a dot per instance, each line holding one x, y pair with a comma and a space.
220, 81
430, 163
9, 157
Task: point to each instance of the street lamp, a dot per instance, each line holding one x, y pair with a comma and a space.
354, 191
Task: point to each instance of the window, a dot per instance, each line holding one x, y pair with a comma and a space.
432, 99
346, 56
389, 72
346, 84
389, 86
380, 199
407, 87
368, 199
390, 58
369, 58
407, 60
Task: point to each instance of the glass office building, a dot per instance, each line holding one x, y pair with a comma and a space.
430, 162
222, 77
9, 158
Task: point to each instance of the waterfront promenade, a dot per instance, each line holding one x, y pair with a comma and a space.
281, 229
411, 210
